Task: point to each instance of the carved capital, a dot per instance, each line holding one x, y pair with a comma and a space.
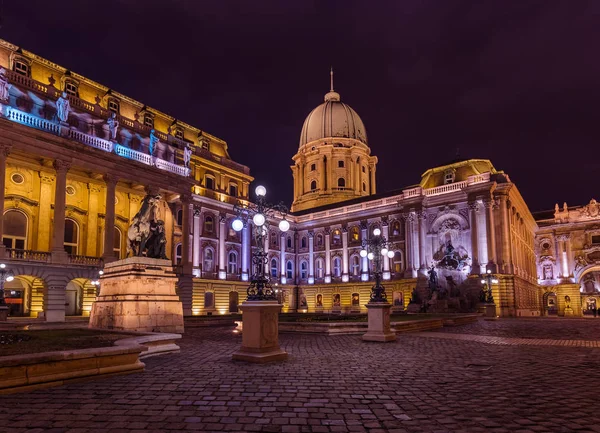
489, 203
134, 198
197, 211
474, 206
222, 218
327, 231
186, 198
384, 220
311, 234
61, 166
5, 149
152, 190
563, 237
110, 179
345, 228
364, 225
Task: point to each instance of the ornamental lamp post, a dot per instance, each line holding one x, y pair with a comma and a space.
5, 276
378, 308
260, 311
487, 298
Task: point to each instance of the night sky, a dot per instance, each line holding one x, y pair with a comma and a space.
514, 81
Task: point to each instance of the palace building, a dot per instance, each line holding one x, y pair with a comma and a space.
78, 157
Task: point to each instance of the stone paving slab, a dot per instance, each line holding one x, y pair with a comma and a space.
508, 341
331, 384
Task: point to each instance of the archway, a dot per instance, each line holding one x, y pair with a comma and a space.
550, 303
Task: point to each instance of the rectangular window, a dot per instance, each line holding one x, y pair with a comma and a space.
233, 190
596, 239
313, 167
341, 164
149, 120
21, 68
113, 105
179, 132
71, 88
209, 183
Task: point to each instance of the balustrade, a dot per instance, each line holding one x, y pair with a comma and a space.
28, 255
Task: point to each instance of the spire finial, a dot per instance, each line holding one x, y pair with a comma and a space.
331, 75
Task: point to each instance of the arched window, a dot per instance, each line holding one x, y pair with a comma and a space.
289, 242
232, 263
178, 252
336, 238
319, 268
209, 224
15, 229
209, 182
71, 236
289, 270
337, 267
364, 187
274, 239
180, 217
274, 268
341, 182
355, 266
117, 243
209, 256
303, 270
303, 242
319, 240
398, 262
313, 185
355, 234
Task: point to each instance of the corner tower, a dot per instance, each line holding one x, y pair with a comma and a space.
334, 161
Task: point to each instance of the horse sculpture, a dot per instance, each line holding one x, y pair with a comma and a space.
140, 229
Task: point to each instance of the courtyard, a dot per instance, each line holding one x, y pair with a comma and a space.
474, 378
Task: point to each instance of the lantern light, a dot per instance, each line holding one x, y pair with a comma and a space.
260, 191
376, 232
284, 225
258, 219
384, 251
391, 254
370, 256
237, 224
363, 253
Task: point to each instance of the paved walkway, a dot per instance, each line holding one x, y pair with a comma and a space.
508, 341
335, 384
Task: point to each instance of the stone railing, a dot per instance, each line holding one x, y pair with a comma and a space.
128, 153
90, 140
443, 189
85, 260
173, 168
30, 120
28, 255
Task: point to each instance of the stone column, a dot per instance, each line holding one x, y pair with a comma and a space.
473, 210
345, 277
91, 247
59, 255
245, 251
311, 257
222, 252
302, 170
282, 257
408, 247
4, 151
491, 235
322, 175
385, 231
357, 185
506, 260
372, 180
328, 255
569, 255
44, 221
414, 237
186, 220
422, 216
365, 261
109, 218
196, 239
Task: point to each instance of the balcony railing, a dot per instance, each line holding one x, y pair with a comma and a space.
30, 120
85, 260
28, 255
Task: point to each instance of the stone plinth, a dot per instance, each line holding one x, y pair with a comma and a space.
260, 335
379, 323
490, 310
138, 294
3, 313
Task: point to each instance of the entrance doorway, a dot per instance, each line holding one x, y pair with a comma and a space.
233, 302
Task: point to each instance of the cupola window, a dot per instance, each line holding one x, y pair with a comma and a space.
114, 105
449, 176
71, 88
149, 120
21, 67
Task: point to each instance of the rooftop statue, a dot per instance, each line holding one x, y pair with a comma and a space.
146, 234
153, 144
187, 156
113, 125
4, 85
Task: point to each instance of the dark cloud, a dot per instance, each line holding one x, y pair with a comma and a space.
513, 81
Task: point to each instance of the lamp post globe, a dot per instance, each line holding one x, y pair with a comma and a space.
260, 191
284, 225
237, 224
384, 251
258, 220
376, 232
363, 253
391, 254
370, 256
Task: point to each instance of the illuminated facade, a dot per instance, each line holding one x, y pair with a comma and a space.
78, 157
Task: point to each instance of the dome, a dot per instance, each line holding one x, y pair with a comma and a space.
333, 118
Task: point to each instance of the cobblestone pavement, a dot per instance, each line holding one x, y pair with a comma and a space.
335, 384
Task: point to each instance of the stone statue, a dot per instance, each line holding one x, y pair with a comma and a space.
4, 85
146, 231
567, 301
433, 278
63, 107
113, 125
580, 262
187, 156
153, 143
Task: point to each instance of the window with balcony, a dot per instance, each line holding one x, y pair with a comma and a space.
21, 66
149, 120
398, 262
15, 230
114, 105
71, 236
209, 182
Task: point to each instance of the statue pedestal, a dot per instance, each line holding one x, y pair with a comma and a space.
260, 335
138, 294
489, 310
379, 323
568, 311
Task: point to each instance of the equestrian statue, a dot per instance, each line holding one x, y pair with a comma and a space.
146, 234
